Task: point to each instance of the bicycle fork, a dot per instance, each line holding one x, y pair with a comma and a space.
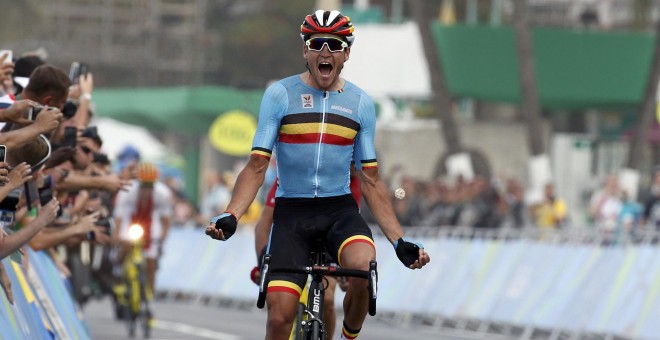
314, 323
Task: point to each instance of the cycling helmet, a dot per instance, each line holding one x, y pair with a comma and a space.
327, 22
147, 173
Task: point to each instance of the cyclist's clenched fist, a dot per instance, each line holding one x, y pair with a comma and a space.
411, 254
222, 227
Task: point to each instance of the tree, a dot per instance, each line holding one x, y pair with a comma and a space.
647, 108
441, 99
261, 41
529, 91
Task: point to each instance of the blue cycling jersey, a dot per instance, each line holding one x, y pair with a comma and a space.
316, 135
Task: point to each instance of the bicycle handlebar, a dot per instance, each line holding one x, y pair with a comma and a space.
371, 275
324, 270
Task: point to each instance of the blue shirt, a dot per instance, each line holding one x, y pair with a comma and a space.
316, 135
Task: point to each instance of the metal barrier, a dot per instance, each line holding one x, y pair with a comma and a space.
516, 282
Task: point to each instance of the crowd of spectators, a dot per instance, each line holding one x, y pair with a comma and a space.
504, 203
56, 184
487, 203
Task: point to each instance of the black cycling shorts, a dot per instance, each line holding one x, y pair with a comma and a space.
298, 222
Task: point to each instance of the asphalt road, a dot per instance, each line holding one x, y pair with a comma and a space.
183, 320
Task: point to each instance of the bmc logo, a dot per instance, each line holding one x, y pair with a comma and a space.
307, 101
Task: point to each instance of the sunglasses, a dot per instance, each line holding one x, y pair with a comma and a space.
334, 44
86, 150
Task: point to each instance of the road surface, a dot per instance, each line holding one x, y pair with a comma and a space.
183, 320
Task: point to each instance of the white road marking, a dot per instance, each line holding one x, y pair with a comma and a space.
192, 330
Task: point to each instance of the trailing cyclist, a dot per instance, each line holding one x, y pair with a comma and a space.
147, 203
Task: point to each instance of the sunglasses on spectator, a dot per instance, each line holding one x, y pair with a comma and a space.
86, 149
334, 44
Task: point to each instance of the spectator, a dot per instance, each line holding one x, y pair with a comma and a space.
605, 205
628, 219
515, 200
651, 214
551, 212
24, 67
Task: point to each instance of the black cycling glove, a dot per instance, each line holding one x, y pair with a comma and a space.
227, 223
406, 251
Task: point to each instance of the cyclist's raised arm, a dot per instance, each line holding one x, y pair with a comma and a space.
247, 185
251, 178
377, 197
375, 191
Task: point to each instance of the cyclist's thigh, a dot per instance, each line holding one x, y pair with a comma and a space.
349, 229
287, 249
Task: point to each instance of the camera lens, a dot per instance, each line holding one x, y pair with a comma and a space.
69, 109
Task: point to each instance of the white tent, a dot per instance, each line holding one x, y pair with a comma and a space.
116, 135
387, 60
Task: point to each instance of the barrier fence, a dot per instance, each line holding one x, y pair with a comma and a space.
43, 306
568, 285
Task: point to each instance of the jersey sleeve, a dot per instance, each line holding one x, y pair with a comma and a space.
273, 105
364, 153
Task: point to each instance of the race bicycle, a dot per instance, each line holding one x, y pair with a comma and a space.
309, 322
133, 291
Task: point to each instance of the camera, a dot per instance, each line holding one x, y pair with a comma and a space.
69, 110
46, 191
33, 112
77, 69
101, 158
3, 153
70, 136
10, 202
106, 224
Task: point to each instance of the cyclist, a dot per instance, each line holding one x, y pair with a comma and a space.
319, 123
147, 202
261, 232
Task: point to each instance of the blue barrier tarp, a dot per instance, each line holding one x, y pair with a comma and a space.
522, 282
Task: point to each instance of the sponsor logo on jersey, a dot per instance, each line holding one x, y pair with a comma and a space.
307, 101
341, 108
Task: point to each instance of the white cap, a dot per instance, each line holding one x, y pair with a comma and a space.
23, 81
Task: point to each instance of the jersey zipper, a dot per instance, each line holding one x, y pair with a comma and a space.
318, 154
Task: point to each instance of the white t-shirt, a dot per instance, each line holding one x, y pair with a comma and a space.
126, 205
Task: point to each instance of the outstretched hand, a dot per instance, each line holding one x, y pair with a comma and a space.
411, 254
222, 227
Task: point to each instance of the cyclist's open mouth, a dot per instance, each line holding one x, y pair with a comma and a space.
325, 69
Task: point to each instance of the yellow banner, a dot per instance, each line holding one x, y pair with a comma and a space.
232, 133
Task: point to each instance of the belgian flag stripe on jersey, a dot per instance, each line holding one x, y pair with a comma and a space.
304, 128
261, 152
315, 117
369, 163
292, 129
309, 138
